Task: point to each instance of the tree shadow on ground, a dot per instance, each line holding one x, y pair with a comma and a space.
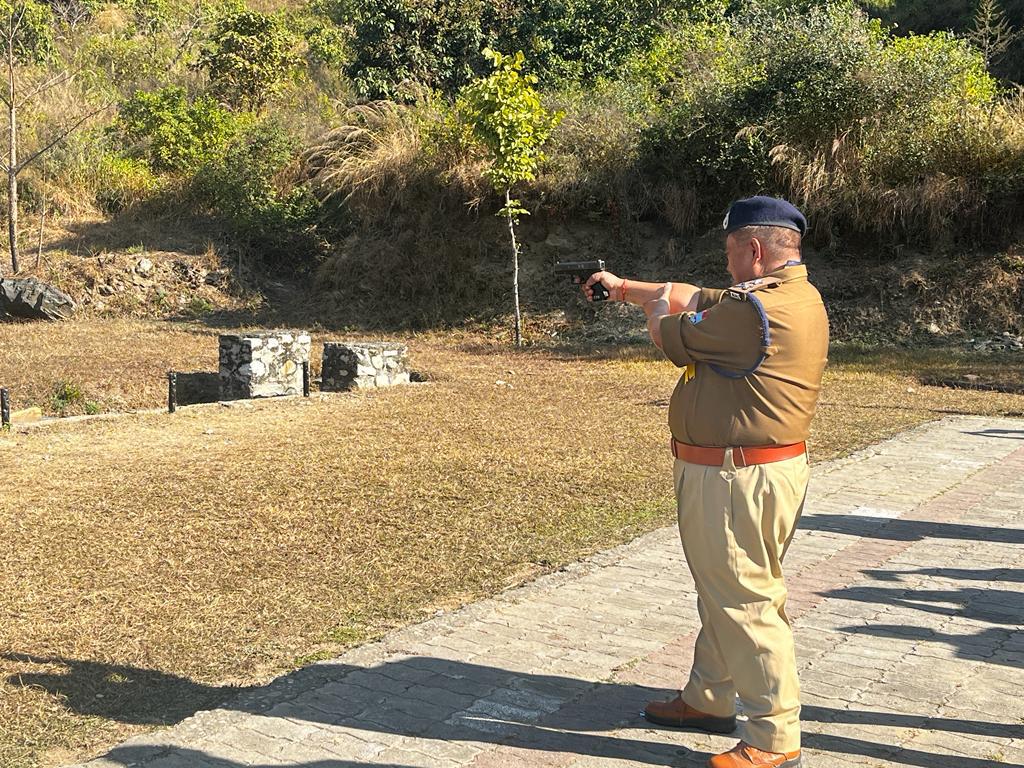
1015, 575
896, 529
1005, 434
982, 604
995, 606
118, 692
448, 701
181, 234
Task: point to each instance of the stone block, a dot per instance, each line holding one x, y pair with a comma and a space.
363, 365
262, 364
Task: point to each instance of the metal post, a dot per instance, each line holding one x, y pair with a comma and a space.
5, 408
305, 378
172, 391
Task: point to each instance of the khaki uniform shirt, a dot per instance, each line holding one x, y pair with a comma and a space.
770, 405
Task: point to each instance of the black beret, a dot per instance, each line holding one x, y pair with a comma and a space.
763, 211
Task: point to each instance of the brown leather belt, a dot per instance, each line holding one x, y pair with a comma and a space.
742, 456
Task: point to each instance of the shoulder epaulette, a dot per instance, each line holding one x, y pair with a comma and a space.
740, 291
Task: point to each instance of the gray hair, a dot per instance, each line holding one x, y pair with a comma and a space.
778, 241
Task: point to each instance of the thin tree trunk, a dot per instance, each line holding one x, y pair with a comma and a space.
12, 164
42, 222
515, 272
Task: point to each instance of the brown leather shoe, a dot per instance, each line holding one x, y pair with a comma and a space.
678, 714
745, 756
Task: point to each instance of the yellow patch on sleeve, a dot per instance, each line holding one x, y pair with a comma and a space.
689, 373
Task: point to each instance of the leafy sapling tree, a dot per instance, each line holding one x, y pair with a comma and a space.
504, 114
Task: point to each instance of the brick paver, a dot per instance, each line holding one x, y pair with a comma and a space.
905, 593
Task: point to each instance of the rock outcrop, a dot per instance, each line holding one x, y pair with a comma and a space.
33, 299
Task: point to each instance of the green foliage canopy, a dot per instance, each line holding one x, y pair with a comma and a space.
245, 186
26, 30
173, 133
433, 42
248, 57
824, 105
438, 42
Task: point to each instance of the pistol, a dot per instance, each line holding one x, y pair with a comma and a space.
579, 271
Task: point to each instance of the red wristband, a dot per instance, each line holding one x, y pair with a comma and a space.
624, 290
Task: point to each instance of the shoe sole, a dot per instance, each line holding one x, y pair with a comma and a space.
726, 726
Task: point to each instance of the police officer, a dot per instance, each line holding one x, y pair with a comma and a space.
752, 358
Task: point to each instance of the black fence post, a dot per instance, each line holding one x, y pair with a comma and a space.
5, 408
305, 378
172, 391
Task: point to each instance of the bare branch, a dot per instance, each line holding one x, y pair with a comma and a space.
59, 138
58, 79
196, 19
16, 22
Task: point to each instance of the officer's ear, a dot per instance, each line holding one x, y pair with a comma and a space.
757, 251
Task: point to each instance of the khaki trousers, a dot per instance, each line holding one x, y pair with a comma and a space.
735, 525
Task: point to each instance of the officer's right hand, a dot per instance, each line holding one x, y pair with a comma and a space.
611, 282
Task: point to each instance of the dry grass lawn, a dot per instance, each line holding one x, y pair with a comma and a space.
151, 561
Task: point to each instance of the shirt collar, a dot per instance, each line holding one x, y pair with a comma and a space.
791, 270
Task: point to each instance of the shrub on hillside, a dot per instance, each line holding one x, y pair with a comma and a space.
438, 43
248, 57
253, 187
960, 17
172, 132
901, 138
434, 43
581, 40
123, 183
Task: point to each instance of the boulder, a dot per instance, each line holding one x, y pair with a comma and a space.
32, 299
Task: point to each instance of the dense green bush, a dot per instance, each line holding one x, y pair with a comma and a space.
435, 43
172, 132
580, 40
957, 16
248, 57
124, 183
253, 188
899, 137
438, 43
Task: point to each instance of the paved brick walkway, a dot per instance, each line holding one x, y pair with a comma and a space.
905, 590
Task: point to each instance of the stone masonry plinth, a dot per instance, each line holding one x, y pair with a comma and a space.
262, 364
363, 365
